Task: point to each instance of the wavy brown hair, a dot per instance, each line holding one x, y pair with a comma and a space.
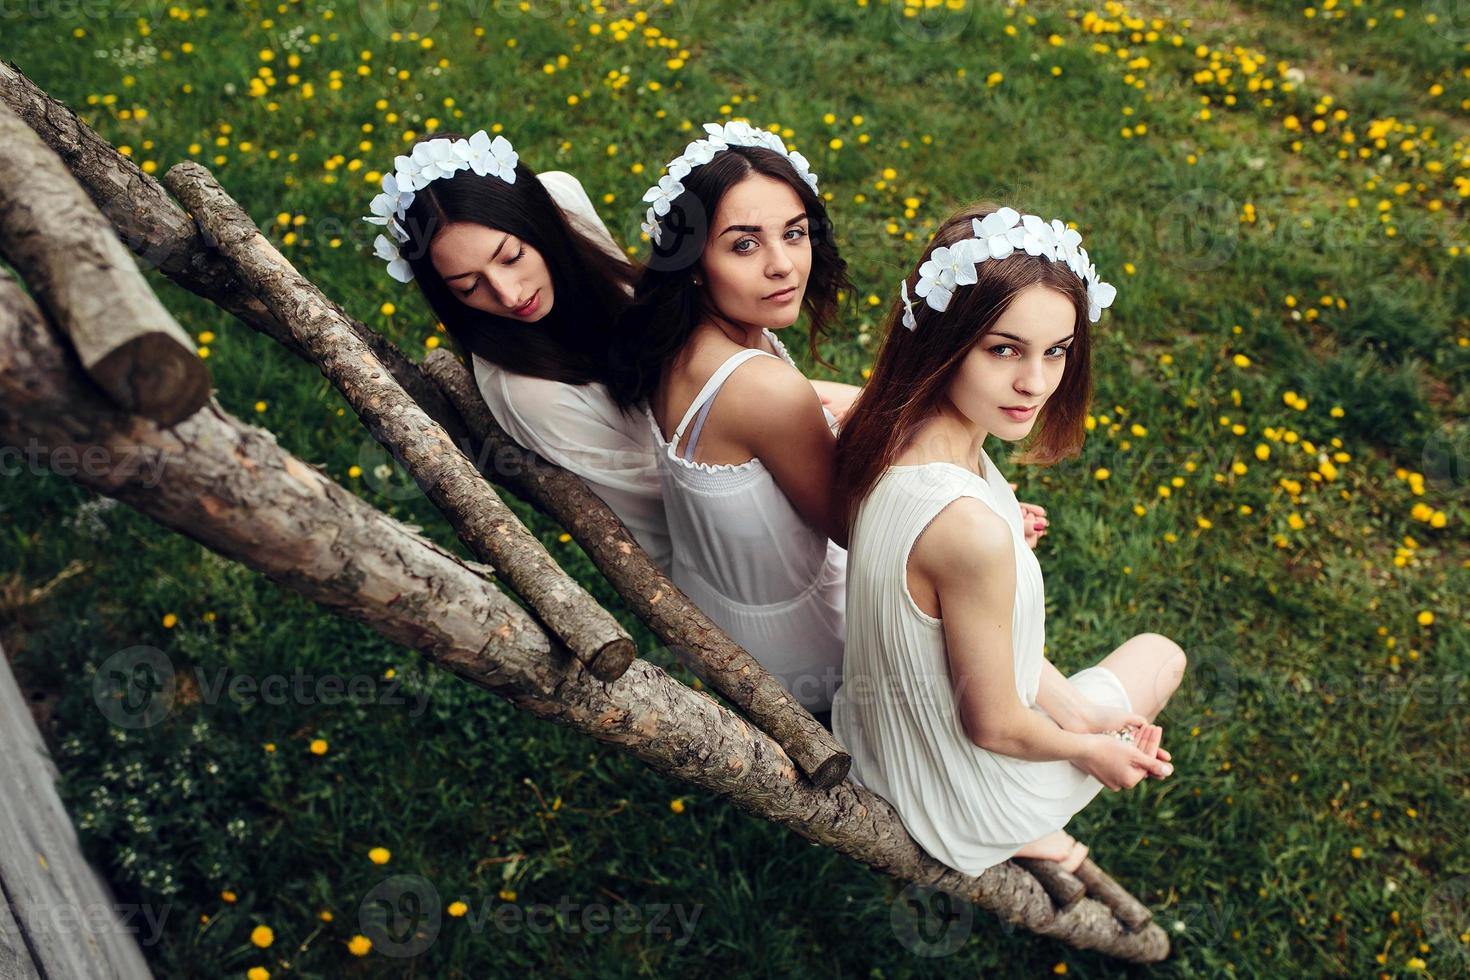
668, 304
911, 377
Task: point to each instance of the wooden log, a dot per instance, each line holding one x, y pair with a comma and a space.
58, 918
230, 487
441, 470
1065, 889
160, 235
159, 232
90, 285
693, 637
1130, 911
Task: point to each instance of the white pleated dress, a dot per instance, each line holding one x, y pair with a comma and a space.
579, 427
896, 711
748, 559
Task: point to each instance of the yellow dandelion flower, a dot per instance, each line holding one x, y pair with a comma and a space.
457, 910
380, 855
359, 945
262, 936
318, 746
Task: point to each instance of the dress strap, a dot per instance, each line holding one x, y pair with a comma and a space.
713, 385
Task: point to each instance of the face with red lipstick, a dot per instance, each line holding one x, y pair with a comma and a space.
758, 256
1015, 367
493, 271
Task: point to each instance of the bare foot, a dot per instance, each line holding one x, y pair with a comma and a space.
1058, 846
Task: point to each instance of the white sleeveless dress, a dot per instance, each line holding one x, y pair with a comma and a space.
896, 711
748, 559
578, 427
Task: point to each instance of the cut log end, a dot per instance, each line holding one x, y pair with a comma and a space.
613, 659
1065, 888
155, 376
831, 771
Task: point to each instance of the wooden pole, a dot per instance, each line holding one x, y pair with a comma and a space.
58, 918
441, 470
90, 285
693, 637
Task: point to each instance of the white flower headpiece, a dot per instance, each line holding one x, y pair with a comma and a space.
997, 235
430, 160
721, 137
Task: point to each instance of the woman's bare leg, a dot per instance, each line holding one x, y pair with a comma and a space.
1150, 667
1058, 846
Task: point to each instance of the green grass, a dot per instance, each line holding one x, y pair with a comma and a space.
1318, 808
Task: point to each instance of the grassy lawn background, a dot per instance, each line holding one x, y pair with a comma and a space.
1278, 477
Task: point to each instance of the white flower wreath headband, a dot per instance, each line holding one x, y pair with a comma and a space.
430, 160
998, 235
721, 137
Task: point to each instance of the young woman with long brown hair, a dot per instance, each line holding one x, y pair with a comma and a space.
527, 282
948, 705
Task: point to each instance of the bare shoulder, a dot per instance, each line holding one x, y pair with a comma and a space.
966, 541
767, 386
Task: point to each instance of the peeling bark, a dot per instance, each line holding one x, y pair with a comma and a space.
90, 286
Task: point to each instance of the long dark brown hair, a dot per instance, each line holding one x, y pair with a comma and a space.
590, 285
667, 304
911, 377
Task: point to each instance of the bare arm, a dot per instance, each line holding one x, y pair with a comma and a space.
1060, 699
779, 419
837, 396
967, 553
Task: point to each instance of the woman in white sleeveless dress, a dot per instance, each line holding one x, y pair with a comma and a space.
745, 447
949, 706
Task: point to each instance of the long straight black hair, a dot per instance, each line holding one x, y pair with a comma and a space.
590, 285
667, 303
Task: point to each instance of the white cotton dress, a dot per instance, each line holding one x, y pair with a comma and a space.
579, 427
896, 711
748, 559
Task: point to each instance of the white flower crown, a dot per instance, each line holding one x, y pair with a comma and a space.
428, 161
721, 137
998, 235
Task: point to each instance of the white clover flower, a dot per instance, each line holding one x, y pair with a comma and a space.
495, 157
663, 194
909, 320
719, 137
398, 266
1037, 237
650, 227
945, 269
427, 162
1100, 296
997, 236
